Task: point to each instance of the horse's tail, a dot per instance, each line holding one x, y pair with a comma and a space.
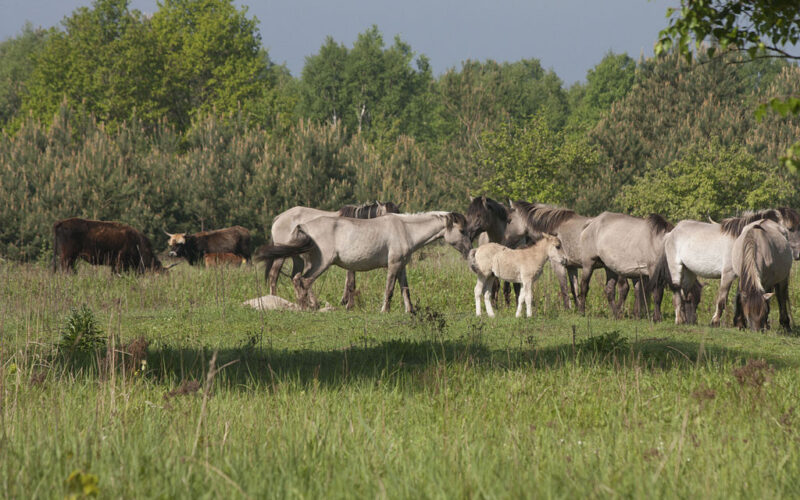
303, 244
473, 264
661, 276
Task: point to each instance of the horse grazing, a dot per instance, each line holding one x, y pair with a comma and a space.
523, 265
285, 222
365, 244
703, 249
102, 243
762, 258
627, 247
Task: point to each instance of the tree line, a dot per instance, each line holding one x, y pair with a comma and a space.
181, 121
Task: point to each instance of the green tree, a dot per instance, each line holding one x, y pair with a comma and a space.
213, 59
608, 82
16, 66
707, 181
370, 88
534, 162
759, 28
106, 61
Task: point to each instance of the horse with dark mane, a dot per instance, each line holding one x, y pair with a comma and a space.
627, 247
365, 244
703, 249
762, 258
285, 222
534, 219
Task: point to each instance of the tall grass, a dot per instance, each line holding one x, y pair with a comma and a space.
240, 403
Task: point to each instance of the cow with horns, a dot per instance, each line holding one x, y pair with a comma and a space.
194, 247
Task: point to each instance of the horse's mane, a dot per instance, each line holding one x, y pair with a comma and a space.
544, 218
482, 208
659, 224
368, 210
455, 218
734, 225
791, 219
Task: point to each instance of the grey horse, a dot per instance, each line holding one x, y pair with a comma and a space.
285, 222
627, 247
703, 249
363, 245
762, 259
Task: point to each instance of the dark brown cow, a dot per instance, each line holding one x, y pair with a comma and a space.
193, 247
102, 243
223, 259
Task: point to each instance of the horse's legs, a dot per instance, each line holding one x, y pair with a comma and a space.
574, 284
528, 294
404, 290
686, 280
585, 279
782, 292
678, 304
478, 292
314, 265
658, 296
611, 289
348, 298
520, 300
623, 287
391, 276
488, 285
561, 274
739, 320
722, 295
271, 273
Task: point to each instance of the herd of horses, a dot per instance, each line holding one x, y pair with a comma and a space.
515, 241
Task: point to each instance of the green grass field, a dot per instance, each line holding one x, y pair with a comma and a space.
363, 404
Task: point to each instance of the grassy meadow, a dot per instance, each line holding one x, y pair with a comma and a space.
222, 401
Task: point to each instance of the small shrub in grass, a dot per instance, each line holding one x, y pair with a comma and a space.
81, 333
604, 344
429, 319
81, 485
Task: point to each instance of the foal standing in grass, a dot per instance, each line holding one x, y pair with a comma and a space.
492, 261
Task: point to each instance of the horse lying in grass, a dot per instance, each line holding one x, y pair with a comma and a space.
365, 244
524, 265
762, 258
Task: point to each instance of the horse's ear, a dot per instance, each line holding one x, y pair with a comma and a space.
472, 198
511, 204
768, 296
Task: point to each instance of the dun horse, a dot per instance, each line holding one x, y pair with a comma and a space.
363, 245
284, 224
703, 249
524, 265
762, 258
628, 247
487, 220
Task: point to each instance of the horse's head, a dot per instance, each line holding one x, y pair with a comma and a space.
790, 220
555, 250
689, 302
516, 225
755, 309
455, 233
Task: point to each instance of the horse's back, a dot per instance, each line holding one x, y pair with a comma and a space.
627, 245
354, 244
284, 223
772, 255
701, 247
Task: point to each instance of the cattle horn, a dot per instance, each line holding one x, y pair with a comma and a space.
167, 268
165, 232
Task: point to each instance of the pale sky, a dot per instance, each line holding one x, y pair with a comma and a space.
567, 36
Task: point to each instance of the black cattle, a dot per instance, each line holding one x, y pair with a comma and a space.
102, 243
